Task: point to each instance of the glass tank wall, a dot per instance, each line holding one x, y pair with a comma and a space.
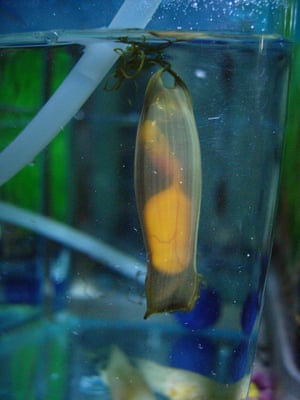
73, 258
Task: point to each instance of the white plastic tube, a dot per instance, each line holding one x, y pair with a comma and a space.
86, 75
74, 239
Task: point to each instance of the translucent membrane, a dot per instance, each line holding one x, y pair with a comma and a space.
168, 194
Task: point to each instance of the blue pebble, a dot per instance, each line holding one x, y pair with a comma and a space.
250, 312
193, 353
205, 312
240, 361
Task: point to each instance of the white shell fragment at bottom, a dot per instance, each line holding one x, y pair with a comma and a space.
179, 384
124, 380
146, 378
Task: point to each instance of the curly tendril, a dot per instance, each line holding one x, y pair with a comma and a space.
134, 58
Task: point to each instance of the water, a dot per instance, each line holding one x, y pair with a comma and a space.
64, 309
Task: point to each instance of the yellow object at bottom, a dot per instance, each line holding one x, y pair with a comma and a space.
253, 391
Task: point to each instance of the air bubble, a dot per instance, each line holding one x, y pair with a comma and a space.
51, 37
200, 73
80, 115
